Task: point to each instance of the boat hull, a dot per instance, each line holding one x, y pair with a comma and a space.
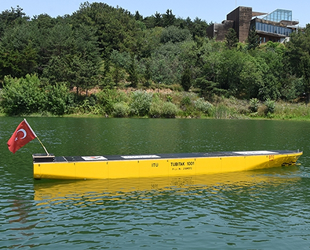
161, 165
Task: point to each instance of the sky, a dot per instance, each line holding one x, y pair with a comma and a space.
209, 11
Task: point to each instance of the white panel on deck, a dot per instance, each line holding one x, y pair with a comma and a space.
94, 158
256, 152
140, 156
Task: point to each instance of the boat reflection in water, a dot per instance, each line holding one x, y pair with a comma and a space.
110, 189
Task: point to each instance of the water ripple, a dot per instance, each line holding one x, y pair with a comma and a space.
247, 210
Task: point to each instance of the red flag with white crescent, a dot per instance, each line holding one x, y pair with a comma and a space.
22, 135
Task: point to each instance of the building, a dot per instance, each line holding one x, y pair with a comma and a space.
276, 26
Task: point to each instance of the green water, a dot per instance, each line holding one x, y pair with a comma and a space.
267, 209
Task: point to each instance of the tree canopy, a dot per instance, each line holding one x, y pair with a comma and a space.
102, 46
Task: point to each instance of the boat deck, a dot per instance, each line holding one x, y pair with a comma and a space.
38, 158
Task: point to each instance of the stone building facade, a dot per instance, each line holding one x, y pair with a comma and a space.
275, 26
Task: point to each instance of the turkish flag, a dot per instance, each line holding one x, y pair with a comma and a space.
22, 135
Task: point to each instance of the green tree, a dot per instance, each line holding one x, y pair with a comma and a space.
158, 20
18, 51
199, 28
132, 71
11, 18
74, 58
231, 39
148, 42
186, 80
209, 88
174, 34
230, 67
253, 39
166, 65
138, 17
168, 18
210, 60
298, 54
115, 28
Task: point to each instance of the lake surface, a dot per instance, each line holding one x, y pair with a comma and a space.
266, 209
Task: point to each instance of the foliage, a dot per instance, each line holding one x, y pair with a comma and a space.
186, 101
140, 102
254, 102
116, 28
292, 87
186, 80
208, 88
58, 99
231, 39
120, 109
156, 108
203, 106
133, 74
11, 18
108, 97
18, 55
298, 54
174, 34
22, 96
251, 78
169, 110
253, 39
75, 57
100, 46
270, 106
166, 66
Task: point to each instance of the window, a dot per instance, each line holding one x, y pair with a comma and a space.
279, 15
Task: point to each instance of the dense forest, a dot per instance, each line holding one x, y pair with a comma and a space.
53, 65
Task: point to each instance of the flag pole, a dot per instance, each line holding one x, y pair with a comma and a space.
37, 137
43, 146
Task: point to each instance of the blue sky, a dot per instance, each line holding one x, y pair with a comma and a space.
210, 11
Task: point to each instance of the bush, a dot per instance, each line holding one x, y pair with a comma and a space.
222, 112
156, 109
203, 106
59, 99
271, 105
186, 101
23, 96
254, 104
108, 97
120, 109
169, 110
140, 102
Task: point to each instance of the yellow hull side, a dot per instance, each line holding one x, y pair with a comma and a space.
159, 167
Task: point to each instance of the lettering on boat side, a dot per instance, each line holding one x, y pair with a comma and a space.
188, 168
175, 164
182, 165
154, 165
271, 157
188, 163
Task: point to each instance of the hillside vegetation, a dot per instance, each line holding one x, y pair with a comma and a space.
107, 61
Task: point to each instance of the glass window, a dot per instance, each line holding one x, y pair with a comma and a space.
279, 15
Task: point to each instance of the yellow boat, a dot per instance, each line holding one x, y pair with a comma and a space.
159, 165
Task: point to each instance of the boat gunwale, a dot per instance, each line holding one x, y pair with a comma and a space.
41, 158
